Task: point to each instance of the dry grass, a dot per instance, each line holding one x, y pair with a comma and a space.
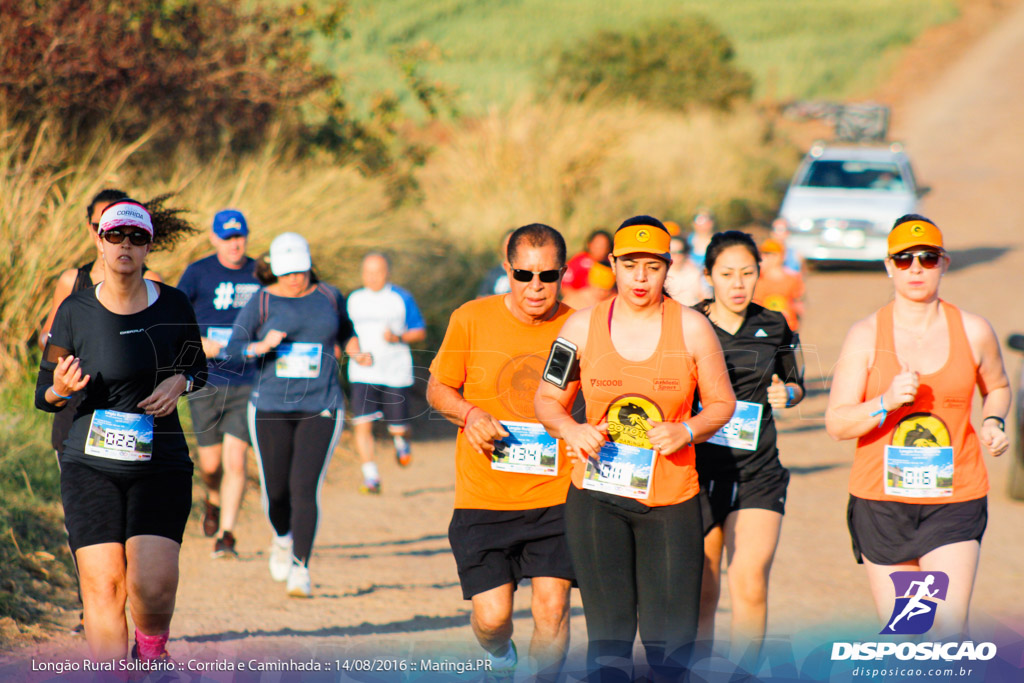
581, 166
573, 166
43, 197
44, 193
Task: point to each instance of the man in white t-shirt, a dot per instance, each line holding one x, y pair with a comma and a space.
386, 321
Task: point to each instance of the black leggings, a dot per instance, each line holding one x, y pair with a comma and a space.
293, 450
636, 563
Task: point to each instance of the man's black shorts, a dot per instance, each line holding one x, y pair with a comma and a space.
495, 547
218, 410
100, 507
889, 532
719, 497
375, 401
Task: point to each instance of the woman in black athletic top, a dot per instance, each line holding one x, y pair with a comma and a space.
130, 347
743, 484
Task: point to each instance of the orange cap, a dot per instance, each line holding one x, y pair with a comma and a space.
672, 227
914, 234
642, 239
601, 276
771, 247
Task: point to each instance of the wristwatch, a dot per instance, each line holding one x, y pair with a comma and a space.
189, 383
790, 396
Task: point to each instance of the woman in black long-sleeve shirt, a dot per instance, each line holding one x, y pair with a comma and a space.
131, 348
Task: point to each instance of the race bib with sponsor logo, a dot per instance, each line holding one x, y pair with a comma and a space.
743, 429
620, 470
527, 449
298, 360
120, 436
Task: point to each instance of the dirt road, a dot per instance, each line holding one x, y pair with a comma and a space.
384, 578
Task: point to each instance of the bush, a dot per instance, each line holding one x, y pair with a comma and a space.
673, 64
207, 68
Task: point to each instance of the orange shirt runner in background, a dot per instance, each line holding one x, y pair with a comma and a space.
497, 361
778, 288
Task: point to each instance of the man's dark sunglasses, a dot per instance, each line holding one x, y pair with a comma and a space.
116, 236
927, 259
545, 275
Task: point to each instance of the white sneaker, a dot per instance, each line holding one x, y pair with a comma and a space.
298, 582
280, 558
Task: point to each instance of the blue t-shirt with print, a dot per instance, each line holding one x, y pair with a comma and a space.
217, 294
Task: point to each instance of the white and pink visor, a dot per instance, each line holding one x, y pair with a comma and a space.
126, 213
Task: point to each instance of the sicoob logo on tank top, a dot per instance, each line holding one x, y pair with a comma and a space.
629, 418
517, 383
921, 430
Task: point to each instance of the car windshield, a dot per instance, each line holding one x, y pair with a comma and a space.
854, 175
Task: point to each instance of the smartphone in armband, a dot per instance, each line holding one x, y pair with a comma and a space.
563, 364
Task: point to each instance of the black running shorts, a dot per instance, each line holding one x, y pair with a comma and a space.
218, 410
495, 547
100, 507
375, 401
719, 497
887, 532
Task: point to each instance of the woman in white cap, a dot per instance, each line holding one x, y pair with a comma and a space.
129, 348
295, 416
903, 387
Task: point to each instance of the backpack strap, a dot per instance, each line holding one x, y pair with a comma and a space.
264, 308
322, 288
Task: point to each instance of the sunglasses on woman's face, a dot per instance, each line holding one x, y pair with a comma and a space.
115, 236
927, 259
547, 276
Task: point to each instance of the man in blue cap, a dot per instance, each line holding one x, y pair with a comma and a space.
218, 287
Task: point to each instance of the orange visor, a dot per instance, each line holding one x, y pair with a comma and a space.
914, 234
642, 239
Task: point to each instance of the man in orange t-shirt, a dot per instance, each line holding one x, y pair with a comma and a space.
779, 288
511, 478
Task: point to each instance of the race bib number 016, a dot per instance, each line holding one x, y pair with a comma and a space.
527, 449
298, 361
120, 436
918, 472
620, 470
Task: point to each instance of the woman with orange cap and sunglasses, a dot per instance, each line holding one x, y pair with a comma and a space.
903, 388
632, 514
130, 348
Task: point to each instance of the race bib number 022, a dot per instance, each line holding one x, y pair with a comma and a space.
120, 436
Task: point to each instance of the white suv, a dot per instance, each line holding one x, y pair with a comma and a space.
843, 201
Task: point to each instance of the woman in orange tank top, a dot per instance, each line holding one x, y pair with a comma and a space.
633, 519
903, 388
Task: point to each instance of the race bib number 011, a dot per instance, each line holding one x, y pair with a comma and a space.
918, 472
298, 361
743, 430
527, 449
120, 436
620, 470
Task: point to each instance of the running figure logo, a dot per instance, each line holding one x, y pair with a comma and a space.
916, 601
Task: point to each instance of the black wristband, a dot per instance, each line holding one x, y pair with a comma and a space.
1002, 422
